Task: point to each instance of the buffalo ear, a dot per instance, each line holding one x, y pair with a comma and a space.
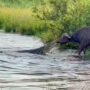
67, 35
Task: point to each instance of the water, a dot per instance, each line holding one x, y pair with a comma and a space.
25, 71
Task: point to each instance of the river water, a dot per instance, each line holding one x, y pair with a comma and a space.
58, 70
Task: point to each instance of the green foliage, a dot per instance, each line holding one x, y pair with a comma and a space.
31, 27
88, 13
20, 3
59, 8
87, 55
48, 19
71, 13
67, 16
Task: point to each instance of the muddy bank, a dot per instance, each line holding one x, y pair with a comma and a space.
57, 70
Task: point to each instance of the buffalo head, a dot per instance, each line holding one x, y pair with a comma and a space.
64, 39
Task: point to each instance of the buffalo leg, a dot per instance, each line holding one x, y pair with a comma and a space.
82, 48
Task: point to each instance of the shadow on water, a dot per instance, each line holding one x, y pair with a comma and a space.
58, 70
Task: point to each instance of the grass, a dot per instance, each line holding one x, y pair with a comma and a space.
20, 3
10, 18
23, 21
87, 55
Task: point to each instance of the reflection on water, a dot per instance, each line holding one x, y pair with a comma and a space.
24, 71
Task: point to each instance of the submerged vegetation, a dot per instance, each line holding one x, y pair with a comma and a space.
47, 19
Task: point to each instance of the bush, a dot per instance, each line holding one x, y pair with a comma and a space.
66, 15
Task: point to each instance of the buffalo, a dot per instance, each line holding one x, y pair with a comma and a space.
81, 36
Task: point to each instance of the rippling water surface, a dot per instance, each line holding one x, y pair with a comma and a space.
25, 71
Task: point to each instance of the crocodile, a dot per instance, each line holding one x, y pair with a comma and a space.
41, 50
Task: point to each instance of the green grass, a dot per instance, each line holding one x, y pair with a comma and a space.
87, 54
20, 20
23, 21
20, 3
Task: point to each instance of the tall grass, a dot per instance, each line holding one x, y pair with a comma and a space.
21, 21
20, 3
12, 16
